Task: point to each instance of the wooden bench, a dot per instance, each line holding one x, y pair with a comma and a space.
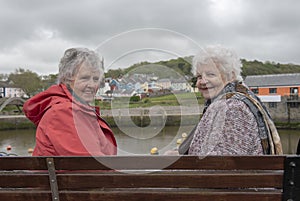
171, 178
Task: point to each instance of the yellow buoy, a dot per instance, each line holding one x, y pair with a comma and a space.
179, 141
30, 150
154, 151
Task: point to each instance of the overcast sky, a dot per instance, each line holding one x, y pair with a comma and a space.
35, 33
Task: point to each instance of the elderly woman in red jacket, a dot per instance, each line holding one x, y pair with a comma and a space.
66, 122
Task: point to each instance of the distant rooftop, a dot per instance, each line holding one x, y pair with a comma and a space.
292, 79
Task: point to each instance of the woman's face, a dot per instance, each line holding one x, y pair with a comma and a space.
210, 81
86, 83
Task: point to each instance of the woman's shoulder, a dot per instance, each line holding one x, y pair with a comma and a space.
230, 104
64, 105
58, 109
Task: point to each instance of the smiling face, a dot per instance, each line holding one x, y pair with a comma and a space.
85, 83
210, 80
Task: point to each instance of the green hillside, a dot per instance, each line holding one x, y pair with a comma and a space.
260, 68
183, 67
162, 69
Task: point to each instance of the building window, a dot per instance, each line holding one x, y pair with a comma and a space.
294, 90
254, 91
294, 104
273, 90
272, 105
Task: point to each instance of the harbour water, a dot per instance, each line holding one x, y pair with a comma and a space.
134, 140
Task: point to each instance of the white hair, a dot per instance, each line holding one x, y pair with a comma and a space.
73, 58
224, 58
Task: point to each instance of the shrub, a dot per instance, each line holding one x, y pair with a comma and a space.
134, 99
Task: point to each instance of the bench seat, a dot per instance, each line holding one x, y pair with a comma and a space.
174, 178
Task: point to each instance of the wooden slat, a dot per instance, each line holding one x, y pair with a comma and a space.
28, 195
145, 162
18, 180
172, 162
173, 179
165, 195
179, 180
171, 196
23, 163
265, 162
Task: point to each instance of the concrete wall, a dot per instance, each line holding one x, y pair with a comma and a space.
283, 113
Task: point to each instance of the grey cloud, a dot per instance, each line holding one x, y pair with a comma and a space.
34, 33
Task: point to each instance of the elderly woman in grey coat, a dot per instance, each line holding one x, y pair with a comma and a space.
234, 121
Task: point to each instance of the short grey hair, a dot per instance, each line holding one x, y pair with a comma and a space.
72, 60
225, 58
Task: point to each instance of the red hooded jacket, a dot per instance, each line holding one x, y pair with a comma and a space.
67, 127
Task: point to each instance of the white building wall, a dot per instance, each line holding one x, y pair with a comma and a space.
270, 98
102, 90
14, 92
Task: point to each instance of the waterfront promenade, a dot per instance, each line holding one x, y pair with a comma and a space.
11, 116
170, 115
152, 111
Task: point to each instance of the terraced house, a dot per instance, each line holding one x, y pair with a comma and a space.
7, 90
280, 93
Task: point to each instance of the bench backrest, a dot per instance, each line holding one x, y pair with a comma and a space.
234, 178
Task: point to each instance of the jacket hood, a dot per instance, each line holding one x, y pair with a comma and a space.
35, 107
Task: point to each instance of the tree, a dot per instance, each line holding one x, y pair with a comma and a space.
114, 73
48, 80
3, 77
27, 80
194, 82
